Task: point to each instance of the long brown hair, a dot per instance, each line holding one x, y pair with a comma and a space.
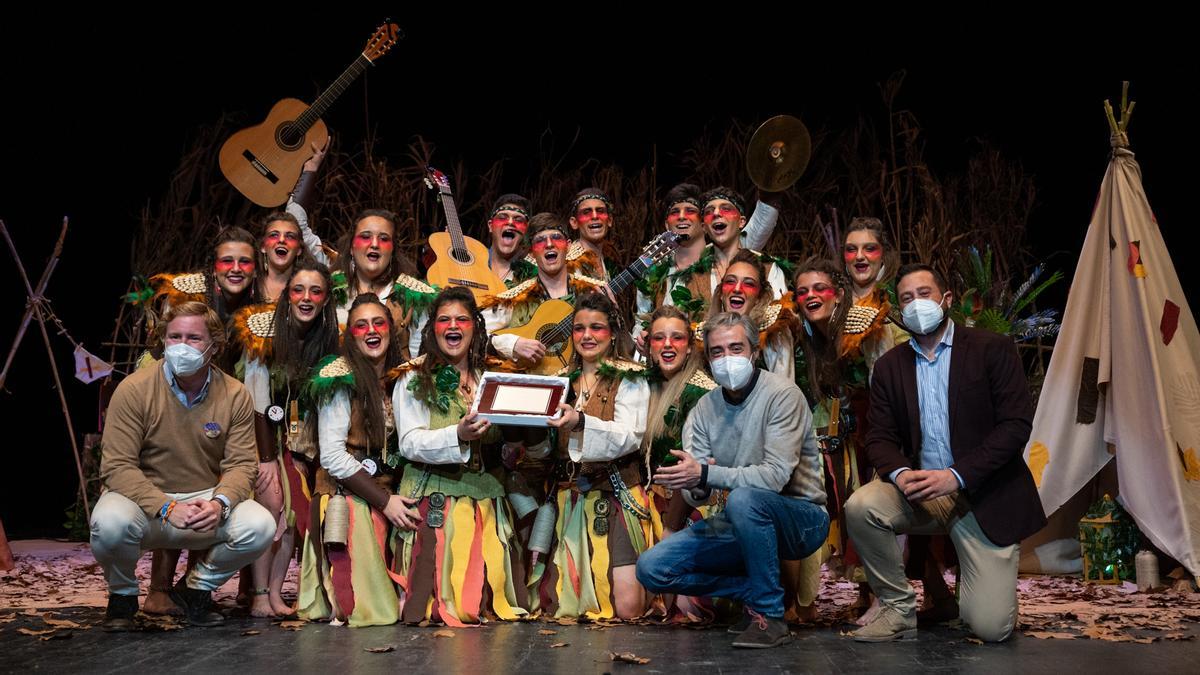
225, 307
821, 348
665, 394
399, 264
367, 392
435, 358
295, 350
765, 293
598, 302
891, 257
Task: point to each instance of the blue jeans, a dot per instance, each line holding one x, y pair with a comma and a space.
736, 553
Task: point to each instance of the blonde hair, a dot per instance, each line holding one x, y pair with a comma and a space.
666, 394
216, 328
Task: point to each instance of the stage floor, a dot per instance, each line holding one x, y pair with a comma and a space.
51, 605
524, 648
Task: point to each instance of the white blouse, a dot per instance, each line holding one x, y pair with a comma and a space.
419, 443
604, 440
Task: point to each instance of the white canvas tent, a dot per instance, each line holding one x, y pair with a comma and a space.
1122, 383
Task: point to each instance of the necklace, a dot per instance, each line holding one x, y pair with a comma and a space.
585, 391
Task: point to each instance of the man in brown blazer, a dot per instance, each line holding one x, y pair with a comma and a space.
950, 415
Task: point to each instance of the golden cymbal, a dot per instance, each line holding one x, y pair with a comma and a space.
778, 153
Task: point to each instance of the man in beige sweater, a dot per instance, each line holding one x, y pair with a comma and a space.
178, 465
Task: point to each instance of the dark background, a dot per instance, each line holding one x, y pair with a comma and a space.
98, 110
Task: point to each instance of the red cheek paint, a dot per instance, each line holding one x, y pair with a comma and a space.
317, 295
584, 218
539, 246
728, 211
749, 291
601, 333
728, 286
359, 330
385, 245
361, 243
295, 296
850, 256
873, 255
223, 266
441, 326
822, 294
709, 216
679, 342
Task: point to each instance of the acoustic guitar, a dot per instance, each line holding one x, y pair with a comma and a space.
263, 162
460, 260
551, 322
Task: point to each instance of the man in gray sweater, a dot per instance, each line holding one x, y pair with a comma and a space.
753, 437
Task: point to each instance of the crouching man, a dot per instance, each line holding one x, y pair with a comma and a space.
753, 436
178, 465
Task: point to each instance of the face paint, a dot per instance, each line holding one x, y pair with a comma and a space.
585, 216
275, 238
683, 213
600, 332
378, 323
821, 292
726, 210
316, 295
553, 239
501, 220
364, 240
225, 265
748, 287
659, 342
445, 323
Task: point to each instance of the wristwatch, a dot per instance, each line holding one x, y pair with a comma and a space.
225, 507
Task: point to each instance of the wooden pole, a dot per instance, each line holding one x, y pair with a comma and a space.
41, 289
35, 299
6, 556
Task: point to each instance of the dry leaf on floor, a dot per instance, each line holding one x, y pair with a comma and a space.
547, 631
36, 633
556, 645
974, 641
251, 632
380, 650
628, 657
443, 633
291, 625
1045, 635
61, 623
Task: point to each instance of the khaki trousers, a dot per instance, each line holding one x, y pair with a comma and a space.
121, 531
987, 580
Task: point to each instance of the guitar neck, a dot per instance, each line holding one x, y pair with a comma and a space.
331, 93
617, 284
452, 224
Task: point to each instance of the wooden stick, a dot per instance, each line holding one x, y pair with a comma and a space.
6, 556
35, 303
33, 296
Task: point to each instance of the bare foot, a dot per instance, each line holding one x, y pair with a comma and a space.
158, 602
280, 607
260, 607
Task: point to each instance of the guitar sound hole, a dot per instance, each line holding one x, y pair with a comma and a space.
461, 255
288, 136
554, 349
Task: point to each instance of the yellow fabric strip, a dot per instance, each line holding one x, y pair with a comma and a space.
311, 601
447, 578
600, 560
375, 600
459, 550
494, 555
561, 526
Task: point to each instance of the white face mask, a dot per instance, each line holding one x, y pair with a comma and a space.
184, 359
922, 316
732, 372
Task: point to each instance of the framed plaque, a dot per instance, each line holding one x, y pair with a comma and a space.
518, 398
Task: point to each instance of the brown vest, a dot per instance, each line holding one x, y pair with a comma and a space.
602, 404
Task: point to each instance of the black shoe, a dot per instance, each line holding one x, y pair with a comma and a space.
741, 625
118, 617
763, 632
197, 605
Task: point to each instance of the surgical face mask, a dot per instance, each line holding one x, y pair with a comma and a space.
732, 372
922, 316
184, 359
